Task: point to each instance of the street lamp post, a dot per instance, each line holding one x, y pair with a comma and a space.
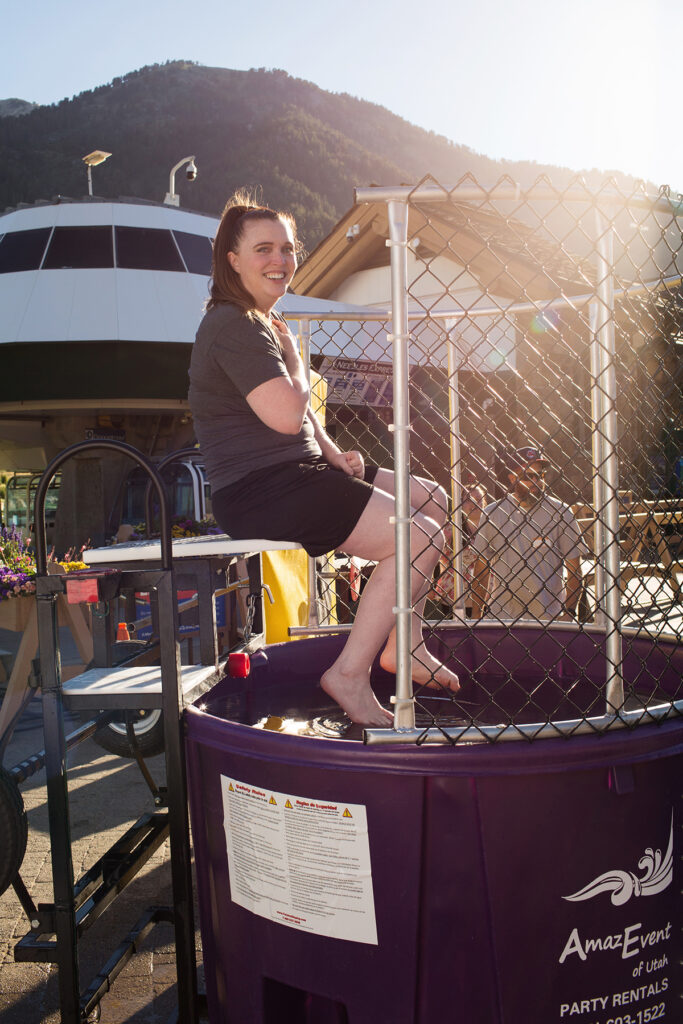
98, 156
191, 173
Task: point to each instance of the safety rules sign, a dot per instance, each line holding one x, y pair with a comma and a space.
302, 862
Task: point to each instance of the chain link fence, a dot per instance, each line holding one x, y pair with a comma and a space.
534, 349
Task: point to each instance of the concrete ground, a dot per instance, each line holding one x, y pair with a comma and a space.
109, 792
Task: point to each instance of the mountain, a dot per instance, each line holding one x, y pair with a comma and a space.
305, 147
15, 108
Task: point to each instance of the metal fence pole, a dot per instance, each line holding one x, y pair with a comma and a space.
599, 494
455, 472
606, 467
404, 709
304, 331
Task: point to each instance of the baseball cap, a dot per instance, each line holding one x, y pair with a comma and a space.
514, 459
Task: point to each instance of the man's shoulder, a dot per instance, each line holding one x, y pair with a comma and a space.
496, 513
556, 506
558, 516
501, 505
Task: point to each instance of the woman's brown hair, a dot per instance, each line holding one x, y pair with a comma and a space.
226, 284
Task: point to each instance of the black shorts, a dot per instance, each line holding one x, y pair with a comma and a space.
309, 502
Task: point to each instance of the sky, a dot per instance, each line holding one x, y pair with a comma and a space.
579, 83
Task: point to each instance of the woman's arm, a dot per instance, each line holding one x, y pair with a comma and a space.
282, 403
351, 463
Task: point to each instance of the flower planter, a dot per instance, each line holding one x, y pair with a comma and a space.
15, 612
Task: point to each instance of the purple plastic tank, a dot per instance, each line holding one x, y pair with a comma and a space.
487, 883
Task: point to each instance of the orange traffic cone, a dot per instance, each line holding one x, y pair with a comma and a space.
122, 631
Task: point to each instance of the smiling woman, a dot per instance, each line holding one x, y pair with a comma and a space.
274, 471
265, 261
254, 246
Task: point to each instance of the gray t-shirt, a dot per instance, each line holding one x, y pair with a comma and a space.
526, 549
231, 356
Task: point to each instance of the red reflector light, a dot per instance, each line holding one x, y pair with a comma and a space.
78, 590
239, 665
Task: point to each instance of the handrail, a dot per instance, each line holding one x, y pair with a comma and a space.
181, 453
76, 449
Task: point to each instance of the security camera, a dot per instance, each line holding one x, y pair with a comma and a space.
191, 172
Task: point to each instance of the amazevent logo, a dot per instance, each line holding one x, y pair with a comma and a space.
657, 875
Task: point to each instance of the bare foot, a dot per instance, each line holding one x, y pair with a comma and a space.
355, 697
427, 670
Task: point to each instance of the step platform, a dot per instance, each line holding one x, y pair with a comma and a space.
133, 686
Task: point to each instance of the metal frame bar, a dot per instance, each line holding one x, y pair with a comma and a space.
102, 983
434, 193
304, 333
455, 477
404, 702
565, 302
606, 463
528, 730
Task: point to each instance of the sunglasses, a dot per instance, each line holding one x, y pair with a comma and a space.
531, 474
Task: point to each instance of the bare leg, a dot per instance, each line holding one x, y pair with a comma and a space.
348, 679
429, 498
426, 496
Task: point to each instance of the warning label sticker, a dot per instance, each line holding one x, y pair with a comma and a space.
302, 862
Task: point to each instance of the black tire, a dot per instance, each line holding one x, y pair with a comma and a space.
148, 725
149, 733
13, 830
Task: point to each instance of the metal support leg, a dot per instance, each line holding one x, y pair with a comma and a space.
404, 707
203, 573
256, 588
179, 825
606, 464
58, 811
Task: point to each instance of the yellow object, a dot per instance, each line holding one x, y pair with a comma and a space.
319, 396
286, 573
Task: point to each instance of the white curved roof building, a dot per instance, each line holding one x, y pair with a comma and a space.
103, 271
99, 304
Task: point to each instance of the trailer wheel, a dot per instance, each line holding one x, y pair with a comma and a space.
13, 830
149, 733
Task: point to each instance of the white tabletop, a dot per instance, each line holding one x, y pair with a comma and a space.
183, 547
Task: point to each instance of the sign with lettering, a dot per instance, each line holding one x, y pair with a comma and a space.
358, 381
301, 862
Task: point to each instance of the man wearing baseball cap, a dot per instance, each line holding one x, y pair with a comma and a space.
526, 543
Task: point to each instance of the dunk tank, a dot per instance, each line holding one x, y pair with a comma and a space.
510, 853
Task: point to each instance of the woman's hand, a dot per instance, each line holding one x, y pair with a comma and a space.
351, 463
282, 403
288, 345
